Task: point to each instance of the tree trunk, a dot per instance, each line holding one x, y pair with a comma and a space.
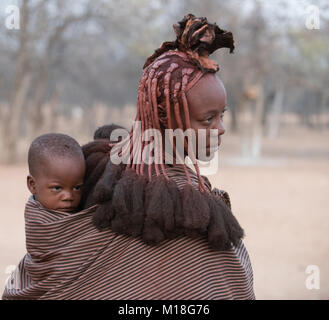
322, 111
277, 108
22, 83
53, 112
36, 118
257, 132
11, 126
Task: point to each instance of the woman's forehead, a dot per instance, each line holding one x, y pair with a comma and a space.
208, 93
209, 79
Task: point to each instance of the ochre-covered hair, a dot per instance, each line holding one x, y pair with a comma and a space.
141, 199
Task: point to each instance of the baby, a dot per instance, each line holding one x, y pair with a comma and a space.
56, 175
56, 172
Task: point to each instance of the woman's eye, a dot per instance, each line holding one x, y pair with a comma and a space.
56, 188
208, 120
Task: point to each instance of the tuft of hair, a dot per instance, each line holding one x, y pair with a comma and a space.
52, 145
198, 38
104, 132
161, 203
97, 154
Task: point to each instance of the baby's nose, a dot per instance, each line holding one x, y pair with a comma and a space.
67, 196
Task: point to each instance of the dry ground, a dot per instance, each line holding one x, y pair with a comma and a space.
282, 203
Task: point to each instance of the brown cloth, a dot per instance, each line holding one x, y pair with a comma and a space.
68, 258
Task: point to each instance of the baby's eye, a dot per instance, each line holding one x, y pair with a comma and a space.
77, 188
56, 188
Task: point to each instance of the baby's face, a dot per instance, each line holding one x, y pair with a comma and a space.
58, 184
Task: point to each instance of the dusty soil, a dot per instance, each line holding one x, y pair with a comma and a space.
281, 201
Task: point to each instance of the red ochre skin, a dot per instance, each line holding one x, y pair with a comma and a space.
207, 102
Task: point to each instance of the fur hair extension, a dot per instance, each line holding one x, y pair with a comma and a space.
96, 154
94, 173
105, 186
103, 215
235, 232
218, 236
195, 210
160, 204
128, 204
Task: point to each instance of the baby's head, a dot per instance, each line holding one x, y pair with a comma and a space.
57, 168
104, 132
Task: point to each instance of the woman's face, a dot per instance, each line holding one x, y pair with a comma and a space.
207, 103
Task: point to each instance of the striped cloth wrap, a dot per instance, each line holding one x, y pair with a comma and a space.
68, 258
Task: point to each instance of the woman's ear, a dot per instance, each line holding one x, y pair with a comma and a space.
31, 184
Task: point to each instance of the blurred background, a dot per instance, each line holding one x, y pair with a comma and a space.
71, 67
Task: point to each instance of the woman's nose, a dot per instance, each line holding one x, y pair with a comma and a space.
220, 127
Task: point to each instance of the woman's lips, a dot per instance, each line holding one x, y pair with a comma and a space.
215, 147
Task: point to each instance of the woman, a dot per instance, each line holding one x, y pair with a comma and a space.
165, 233
197, 251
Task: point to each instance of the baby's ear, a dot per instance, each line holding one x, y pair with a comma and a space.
31, 184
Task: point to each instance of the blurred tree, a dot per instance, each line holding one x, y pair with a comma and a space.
75, 55
20, 88
42, 26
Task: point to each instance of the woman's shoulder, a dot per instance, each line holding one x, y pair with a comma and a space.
178, 175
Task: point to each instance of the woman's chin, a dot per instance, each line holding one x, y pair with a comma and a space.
208, 156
